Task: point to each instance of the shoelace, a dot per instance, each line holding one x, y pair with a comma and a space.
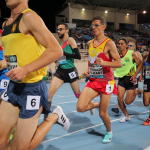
148, 120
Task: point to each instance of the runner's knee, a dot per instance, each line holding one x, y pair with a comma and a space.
102, 114
80, 108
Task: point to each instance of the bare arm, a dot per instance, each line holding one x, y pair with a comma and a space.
117, 63
35, 25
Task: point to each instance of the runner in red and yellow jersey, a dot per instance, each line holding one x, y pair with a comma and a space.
102, 52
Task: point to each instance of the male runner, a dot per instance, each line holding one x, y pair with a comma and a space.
28, 47
102, 52
127, 76
66, 71
146, 86
137, 91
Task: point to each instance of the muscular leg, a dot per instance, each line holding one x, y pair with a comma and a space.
103, 106
54, 86
84, 102
130, 97
8, 119
75, 87
121, 92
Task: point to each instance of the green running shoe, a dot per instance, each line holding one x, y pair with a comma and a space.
12, 134
107, 138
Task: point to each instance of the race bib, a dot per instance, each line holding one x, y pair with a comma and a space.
33, 102
11, 62
147, 76
109, 88
62, 60
4, 83
4, 96
96, 71
72, 75
145, 87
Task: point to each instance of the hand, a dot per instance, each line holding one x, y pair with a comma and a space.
1, 65
86, 74
141, 79
133, 79
99, 61
17, 73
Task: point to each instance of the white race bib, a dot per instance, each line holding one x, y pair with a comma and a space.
4, 83
62, 60
145, 87
11, 62
33, 102
96, 71
4, 96
147, 75
109, 88
72, 75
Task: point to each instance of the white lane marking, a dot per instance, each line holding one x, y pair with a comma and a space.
148, 148
87, 128
76, 111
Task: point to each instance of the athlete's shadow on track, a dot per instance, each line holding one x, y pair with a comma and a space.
49, 147
78, 122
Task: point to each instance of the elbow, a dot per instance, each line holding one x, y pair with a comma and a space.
60, 53
120, 64
79, 57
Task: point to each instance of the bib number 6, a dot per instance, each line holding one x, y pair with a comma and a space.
33, 102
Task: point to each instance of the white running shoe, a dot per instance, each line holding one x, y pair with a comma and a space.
92, 111
62, 119
124, 119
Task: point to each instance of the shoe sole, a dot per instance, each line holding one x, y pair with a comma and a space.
107, 142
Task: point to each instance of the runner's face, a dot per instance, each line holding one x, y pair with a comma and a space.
13, 3
97, 27
61, 30
131, 46
122, 45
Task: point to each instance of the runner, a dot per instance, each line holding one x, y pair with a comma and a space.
102, 52
28, 47
66, 71
127, 76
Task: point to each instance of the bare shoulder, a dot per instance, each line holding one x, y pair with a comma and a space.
30, 16
71, 39
89, 42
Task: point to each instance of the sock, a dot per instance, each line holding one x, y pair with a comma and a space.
77, 95
110, 132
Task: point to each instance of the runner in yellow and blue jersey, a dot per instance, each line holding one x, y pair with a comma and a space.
28, 48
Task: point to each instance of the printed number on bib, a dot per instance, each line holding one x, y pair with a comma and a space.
145, 86
72, 75
62, 60
33, 102
5, 96
109, 88
147, 74
4, 83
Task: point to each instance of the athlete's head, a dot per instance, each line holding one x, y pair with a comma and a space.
131, 46
62, 30
14, 3
122, 44
98, 25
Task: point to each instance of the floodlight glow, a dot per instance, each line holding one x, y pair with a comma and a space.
83, 9
106, 12
144, 12
127, 14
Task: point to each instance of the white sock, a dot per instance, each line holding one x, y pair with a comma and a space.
110, 132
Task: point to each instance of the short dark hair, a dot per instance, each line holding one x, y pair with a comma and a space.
123, 40
101, 18
66, 26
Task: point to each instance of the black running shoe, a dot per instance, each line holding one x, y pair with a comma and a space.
115, 110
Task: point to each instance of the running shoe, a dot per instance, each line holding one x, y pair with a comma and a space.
62, 119
147, 122
115, 110
124, 119
139, 94
107, 138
